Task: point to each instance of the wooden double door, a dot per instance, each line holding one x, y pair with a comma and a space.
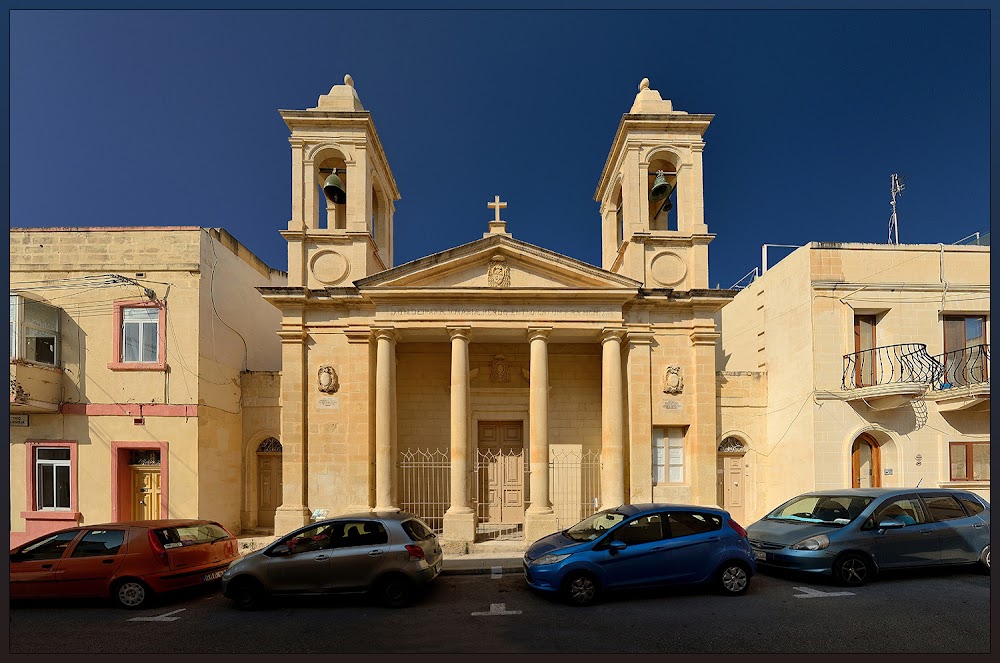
145, 492
500, 472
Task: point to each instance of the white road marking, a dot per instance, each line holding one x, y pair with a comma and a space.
159, 618
496, 572
809, 593
497, 609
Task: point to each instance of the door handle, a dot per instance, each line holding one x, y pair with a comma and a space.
46, 566
320, 558
374, 553
927, 531
660, 549
107, 561
978, 526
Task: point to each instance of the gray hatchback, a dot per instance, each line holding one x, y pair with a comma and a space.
390, 554
852, 534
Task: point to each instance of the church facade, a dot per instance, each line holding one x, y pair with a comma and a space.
497, 389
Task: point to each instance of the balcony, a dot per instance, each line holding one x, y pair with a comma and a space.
965, 382
890, 376
34, 388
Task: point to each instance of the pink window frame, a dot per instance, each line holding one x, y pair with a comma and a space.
116, 364
33, 512
120, 480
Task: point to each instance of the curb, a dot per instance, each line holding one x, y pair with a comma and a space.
481, 570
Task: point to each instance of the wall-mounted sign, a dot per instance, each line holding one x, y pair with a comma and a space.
671, 405
327, 403
888, 471
18, 420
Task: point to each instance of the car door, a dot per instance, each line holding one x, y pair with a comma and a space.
693, 547
33, 565
916, 543
91, 563
642, 560
360, 548
958, 533
305, 567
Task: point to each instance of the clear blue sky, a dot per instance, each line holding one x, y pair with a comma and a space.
170, 118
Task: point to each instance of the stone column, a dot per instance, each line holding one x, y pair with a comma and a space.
539, 519
385, 395
460, 518
293, 512
612, 413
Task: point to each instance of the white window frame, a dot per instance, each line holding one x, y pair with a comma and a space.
155, 323
668, 455
41, 463
19, 331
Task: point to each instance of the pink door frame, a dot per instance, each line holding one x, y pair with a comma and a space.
121, 500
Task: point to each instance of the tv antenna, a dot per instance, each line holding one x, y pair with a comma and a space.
895, 190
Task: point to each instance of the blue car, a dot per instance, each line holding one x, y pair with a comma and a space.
639, 545
853, 534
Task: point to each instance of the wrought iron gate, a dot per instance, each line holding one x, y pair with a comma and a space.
574, 484
501, 491
425, 485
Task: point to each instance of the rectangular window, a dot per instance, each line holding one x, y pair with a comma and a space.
52, 479
970, 461
34, 331
140, 335
668, 455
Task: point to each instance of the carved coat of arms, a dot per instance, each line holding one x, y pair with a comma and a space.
498, 274
501, 370
673, 381
327, 378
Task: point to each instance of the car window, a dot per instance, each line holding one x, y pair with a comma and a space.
943, 507
972, 505
99, 542
416, 530
314, 538
643, 529
593, 527
351, 533
686, 523
905, 510
822, 509
50, 547
190, 535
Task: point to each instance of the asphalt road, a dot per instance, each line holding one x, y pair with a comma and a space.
930, 612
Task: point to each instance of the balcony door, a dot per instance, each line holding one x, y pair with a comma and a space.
864, 349
964, 340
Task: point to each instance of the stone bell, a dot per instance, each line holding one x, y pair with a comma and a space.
334, 189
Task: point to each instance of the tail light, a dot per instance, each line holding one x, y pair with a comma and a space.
736, 526
158, 550
416, 552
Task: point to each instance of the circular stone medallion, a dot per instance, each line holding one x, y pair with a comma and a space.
328, 267
668, 268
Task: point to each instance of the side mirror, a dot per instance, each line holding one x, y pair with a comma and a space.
617, 546
279, 551
890, 524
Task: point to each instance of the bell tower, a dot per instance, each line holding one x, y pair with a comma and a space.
343, 193
652, 198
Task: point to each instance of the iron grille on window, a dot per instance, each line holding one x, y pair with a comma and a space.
143, 457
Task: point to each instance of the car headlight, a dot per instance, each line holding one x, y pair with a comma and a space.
549, 559
813, 543
231, 569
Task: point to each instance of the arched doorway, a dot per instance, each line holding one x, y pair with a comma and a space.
732, 494
268, 481
866, 463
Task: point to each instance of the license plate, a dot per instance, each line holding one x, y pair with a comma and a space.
209, 577
437, 567
760, 555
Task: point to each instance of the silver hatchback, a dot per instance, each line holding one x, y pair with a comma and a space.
390, 554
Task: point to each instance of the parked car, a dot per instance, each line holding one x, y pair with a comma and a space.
637, 545
390, 554
128, 562
853, 534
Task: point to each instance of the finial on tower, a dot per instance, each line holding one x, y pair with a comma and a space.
643, 84
348, 80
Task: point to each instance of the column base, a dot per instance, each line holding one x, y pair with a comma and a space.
288, 518
459, 528
537, 525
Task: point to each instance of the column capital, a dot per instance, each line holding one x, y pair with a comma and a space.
459, 331
612, 334
539, 333
385, 332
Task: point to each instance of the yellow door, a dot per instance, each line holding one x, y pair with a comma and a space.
145, 493
732, 477
268, 487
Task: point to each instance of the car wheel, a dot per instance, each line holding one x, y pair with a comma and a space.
132, 594
852, 570
733, 579
395, 591
984, 559
580, 589
246, 593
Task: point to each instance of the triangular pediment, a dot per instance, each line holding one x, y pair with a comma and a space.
498, 261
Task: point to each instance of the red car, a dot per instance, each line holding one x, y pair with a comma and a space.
130, 562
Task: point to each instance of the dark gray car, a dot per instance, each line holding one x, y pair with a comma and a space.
851, 534
390, 554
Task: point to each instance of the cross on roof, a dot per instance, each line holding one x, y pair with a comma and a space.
497, 205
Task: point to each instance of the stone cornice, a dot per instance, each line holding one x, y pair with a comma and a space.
860, 288
672, 238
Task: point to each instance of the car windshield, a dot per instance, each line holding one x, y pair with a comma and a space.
595, 526
821, 509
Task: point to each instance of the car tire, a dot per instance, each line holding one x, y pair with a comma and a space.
394, 591
246, 593
580, 589
852, 570
733, 578
984, 560
132, 594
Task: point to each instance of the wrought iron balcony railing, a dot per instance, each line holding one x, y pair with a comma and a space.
964, 367
906, 363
